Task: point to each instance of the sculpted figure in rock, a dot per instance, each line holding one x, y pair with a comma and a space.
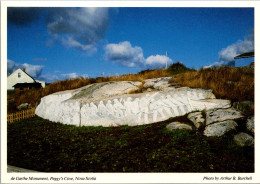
109, 107
92, 109
128, 106
102, 110
118, 109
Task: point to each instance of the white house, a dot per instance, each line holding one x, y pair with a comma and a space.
20, 76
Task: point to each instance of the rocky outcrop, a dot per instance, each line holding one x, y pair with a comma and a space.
178, 125
109, 104
197, 119
158, 83
243, 139
222, 115
220, 128
250, 124
24, 106
113, 104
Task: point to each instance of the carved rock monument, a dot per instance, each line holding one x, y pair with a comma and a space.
110, 104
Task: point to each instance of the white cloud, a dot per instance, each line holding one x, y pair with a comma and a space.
49, 78
71, 43
226, 55
79, 28
34, 70
84, 76
69, 75
124, 54
158, 61
240, 47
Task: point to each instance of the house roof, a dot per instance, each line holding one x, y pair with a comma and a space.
22, 71
245, 55
33, 84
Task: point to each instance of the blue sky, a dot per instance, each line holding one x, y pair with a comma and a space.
58, 43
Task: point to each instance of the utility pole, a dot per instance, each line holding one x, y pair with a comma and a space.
166, 61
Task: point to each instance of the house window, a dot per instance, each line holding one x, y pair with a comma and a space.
19, 75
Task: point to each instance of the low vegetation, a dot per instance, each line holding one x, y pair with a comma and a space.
236, 84
45, 146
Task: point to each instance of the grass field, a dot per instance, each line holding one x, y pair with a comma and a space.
45, 146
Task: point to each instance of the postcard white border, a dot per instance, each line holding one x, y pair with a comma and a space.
123, 177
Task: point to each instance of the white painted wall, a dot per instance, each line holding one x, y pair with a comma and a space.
42, 82
14, 79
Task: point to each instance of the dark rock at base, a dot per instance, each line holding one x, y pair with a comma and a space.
246, 107
220, 128
219, 115
243, 139
250, 124
197, 119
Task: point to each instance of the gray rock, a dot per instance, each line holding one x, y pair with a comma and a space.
157, 83
149, 90
245, 107
197, 119
250, 124
243, 139
23, 106
220, 128
222, 115
178, 125
207, 104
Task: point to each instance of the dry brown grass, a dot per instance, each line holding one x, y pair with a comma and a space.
33, 96
236, 84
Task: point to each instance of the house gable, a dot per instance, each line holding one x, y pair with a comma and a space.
18, 76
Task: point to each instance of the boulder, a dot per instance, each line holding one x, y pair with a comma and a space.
250, 124
178, 125
196, 118
222, 115
109, 104
246, 107
220, 128
243, 139
23, 106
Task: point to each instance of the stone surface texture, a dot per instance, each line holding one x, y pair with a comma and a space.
220, 128
109, 104
250, 124
178, 125
222, 115
157, 83
196, 118
243, 139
